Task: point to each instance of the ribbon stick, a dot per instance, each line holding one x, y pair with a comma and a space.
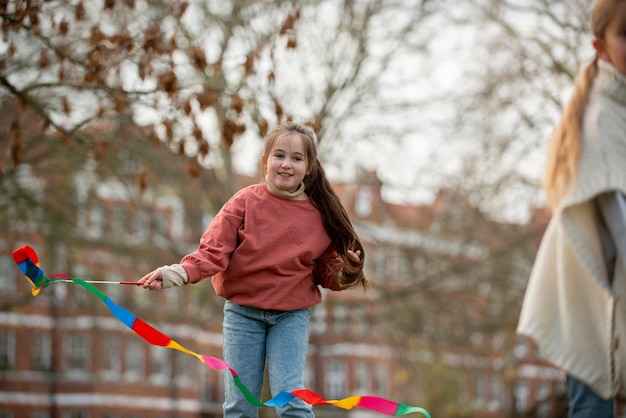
27, 261
66, 279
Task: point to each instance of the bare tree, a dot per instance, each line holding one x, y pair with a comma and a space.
206, 74
526, 57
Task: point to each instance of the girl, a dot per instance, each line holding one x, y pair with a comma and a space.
266, 251
575, 304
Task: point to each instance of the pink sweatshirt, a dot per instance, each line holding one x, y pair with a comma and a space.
267, 252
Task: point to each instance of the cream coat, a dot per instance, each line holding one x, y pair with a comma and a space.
571, 310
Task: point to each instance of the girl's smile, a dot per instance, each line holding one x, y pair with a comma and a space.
286, 164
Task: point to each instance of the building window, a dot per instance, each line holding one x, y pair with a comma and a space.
318, 319
221, 389
309, 374
111, 364
335, 379
40, 352
7, 276
392, 262
39, 414
160, 365
160, 224
419, 264
543, 400
360, 320
141, 225
340, 315
118, 221
521, 347
522, 397
81, 218
7, 350
173, 300
134, 359
81, 296
6, 413
495, 402
205, 386
183, 369
379, 259
77, 353
115, 292
381, 383
211, 384
363, 204
96, 221
362, 376
481, 390
404, 265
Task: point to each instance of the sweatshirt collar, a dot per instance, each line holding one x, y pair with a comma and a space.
297, 194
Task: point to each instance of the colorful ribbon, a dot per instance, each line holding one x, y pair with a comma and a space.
28, 263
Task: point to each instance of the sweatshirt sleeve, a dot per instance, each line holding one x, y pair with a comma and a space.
612, 207
217, 243
327, 268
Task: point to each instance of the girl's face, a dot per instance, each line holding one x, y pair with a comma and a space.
286, 163
613, 47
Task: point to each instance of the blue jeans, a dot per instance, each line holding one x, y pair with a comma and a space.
252, 336
584, 403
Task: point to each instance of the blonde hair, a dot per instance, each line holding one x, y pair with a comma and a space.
565, 145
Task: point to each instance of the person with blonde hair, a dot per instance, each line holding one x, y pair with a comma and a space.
574, 307
267, 252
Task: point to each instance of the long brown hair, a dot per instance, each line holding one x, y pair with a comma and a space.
565, 146
323, 196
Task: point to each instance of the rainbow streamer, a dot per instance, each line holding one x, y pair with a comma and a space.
27, 261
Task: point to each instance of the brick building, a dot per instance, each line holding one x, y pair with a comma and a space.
436, 330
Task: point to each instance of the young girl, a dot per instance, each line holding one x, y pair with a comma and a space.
267, 251
575, 304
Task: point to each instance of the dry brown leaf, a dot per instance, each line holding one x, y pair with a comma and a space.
79, 11
203, 148
193, 169
263, 127
236, 104
198, 58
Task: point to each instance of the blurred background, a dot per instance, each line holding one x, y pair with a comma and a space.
126, 124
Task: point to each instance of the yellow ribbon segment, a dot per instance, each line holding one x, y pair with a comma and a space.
347, 403
173, 344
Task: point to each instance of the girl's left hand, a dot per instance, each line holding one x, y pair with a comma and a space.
356, 256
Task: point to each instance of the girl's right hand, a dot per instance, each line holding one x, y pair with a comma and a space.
152, 280
165, 277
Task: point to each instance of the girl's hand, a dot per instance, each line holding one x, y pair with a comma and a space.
152, 280
351, 268
356, 256
165, 277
